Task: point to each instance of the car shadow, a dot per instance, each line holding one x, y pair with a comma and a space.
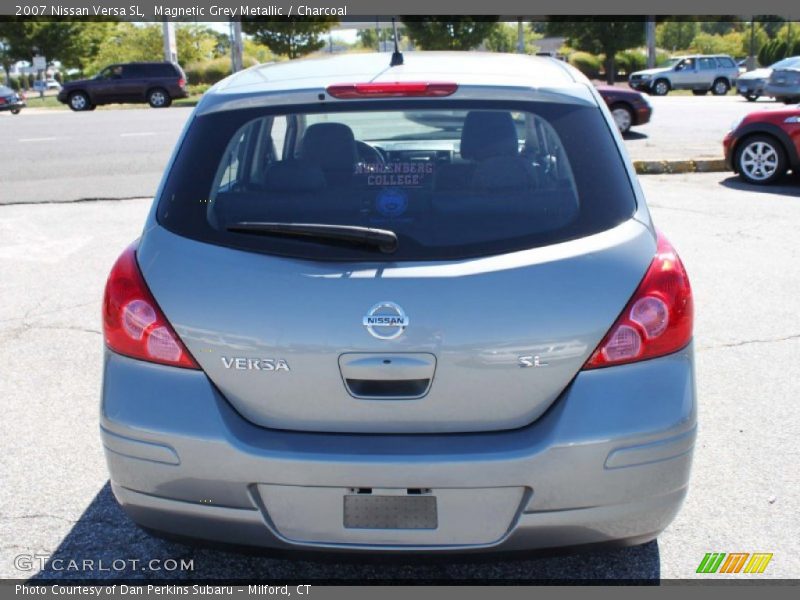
788, 185
107, 536
631, 136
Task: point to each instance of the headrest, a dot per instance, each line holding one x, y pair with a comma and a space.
293, 176
488, 133
501, 173
330, 146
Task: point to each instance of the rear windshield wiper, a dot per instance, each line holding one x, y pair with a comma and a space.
383, 239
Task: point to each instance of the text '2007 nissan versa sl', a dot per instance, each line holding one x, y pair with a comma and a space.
418, 307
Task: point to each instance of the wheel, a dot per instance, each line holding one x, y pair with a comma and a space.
760, 159
15, 111
752, 96
79, 101
699, 92
159, 98
623, 117
790, 100
720, 87
661, 87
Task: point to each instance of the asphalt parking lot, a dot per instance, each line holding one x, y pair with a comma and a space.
739, 246
52, 155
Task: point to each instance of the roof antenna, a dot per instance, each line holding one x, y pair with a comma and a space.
397, 56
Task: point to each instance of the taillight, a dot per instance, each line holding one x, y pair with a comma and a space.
658, 319
133, 324
392, 90
181, 82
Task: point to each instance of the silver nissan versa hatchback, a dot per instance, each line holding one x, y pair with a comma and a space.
418, 307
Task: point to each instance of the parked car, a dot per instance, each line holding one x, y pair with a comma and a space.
762, 146
155, 83
10, 100
344, 329
699, 73
629, 108
784, 83
751, 84
43, 85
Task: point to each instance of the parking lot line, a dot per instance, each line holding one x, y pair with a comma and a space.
137, 134
42, 139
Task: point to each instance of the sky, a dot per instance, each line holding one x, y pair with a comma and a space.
346, 35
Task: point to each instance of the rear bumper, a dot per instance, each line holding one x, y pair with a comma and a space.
748, 86
643, 114
782, 91
609, 461
13, 105
728, 144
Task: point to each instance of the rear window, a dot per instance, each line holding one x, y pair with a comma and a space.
458, 180
726, 62
151, 70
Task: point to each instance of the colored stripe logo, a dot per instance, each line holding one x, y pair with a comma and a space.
734, 562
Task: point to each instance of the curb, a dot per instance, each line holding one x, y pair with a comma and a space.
660, 167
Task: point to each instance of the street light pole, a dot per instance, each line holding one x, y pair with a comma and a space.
170, 45
237, 61
650, 31
751, 59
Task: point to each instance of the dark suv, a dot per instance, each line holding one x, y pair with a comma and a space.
155, 83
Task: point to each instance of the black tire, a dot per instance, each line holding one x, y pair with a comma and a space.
790, 100
720, 87
623, 117
752, 96
16, 111
79, 101
770, 171
699, 92
661, 87
158, 98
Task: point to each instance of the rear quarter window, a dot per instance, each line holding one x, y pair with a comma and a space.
451, 179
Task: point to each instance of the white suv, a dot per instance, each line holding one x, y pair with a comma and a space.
699, 73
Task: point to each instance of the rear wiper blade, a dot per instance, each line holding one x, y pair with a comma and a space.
383, 239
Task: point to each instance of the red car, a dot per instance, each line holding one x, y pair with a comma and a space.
764, 145
628, 107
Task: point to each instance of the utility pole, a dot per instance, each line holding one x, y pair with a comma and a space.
237, 62
650, 34
520, 36
751, 59
170, 45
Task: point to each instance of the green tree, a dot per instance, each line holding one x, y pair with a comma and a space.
676, 35
723, 26
127, 42
65, 41
771, 24
731, 43
13, 44
290, 36
448, 33
505, 37
606, 37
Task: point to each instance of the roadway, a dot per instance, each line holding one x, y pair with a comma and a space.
739, 246
58, 155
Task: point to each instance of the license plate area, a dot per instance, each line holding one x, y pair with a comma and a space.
415, 516
372, 511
